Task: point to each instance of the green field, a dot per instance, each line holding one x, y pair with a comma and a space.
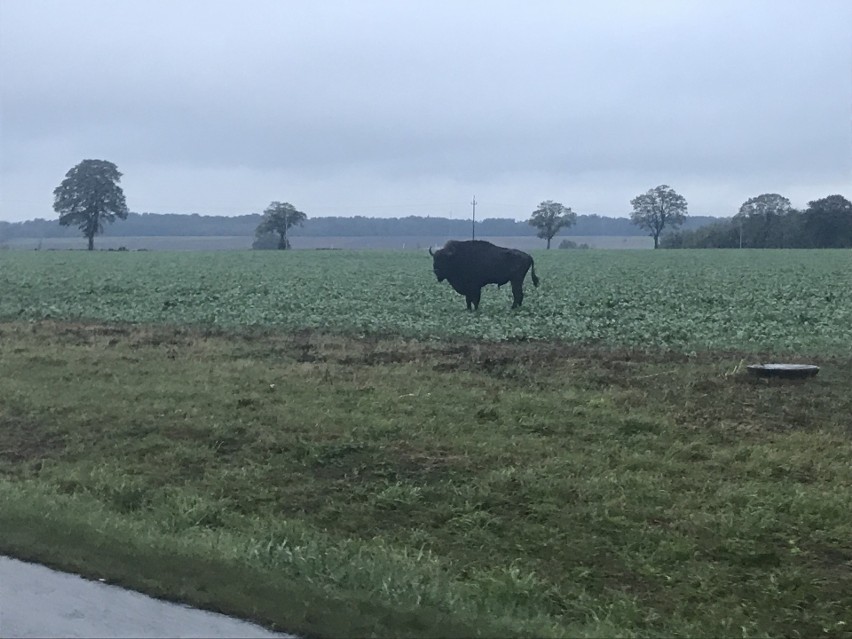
780, 301
327, 442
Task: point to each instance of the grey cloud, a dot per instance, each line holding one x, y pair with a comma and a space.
472, 93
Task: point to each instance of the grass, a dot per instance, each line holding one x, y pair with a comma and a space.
337, 485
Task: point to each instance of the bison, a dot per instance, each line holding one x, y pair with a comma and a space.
470, 265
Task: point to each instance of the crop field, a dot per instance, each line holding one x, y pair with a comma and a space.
779, 301
328, 443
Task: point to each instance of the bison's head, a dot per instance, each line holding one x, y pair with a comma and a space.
440, 263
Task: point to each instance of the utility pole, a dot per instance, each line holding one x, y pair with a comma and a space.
473, 224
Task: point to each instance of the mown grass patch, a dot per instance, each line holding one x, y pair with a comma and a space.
406, 487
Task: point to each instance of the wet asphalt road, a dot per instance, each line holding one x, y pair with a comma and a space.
39, 602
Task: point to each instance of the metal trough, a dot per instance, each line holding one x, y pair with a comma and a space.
785, 371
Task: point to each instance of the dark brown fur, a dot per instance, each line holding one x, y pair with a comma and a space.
470, 265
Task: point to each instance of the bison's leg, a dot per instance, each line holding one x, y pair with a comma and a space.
476, 296
517, 292
472, 299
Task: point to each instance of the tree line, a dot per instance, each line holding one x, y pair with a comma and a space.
658, 209
769, 221
182, 224
90, 197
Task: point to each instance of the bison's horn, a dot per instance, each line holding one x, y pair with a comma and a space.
430, 252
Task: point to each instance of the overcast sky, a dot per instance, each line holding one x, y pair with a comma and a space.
392, 108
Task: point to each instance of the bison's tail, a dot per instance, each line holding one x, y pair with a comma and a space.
534, 276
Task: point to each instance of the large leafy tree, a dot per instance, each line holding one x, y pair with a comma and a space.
760, 220
549, 217
657, 209
278, 218
828, 222
89, 197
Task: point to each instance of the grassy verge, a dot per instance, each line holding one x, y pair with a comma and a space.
271, 577
342, 487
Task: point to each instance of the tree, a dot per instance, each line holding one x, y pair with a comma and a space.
265, 242
721, 234
657, 209
549, 217
90, 196
828, 222
278, 218
760, 221
569, 244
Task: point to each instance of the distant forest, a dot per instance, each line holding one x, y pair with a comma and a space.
768, 221
175, 225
